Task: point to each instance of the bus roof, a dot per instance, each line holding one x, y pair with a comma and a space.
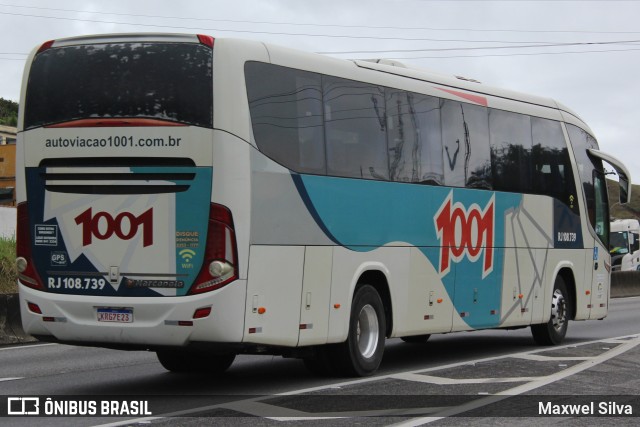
322, 63
341, 67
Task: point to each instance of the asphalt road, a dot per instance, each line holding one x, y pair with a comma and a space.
599, 358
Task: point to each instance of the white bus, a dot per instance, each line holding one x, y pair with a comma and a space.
203, 199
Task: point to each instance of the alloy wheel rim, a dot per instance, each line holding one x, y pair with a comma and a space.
367, 330
558, 311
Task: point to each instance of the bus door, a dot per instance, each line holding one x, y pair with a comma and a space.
601, 260
599, 218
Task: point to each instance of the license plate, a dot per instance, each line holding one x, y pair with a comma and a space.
119, 315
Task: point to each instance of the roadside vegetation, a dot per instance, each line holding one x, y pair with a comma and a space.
8, 273
8, 112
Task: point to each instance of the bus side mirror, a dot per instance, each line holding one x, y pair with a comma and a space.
624, 178
624, 188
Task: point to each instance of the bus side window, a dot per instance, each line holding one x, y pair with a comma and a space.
466, 152
355, 126
415, 138
286, 115
551, 166
510, 151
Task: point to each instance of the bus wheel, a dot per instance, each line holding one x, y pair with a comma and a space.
416, 339
184, 361
554, 331
362, 352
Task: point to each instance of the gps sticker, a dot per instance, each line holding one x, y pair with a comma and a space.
59, 259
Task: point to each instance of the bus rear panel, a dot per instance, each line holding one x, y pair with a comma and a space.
117, 229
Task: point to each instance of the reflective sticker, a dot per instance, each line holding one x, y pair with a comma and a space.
46, 235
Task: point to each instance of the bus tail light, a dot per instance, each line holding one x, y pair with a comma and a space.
206, 40
24, 262
45, 46
34, 308
220, 266
202, 312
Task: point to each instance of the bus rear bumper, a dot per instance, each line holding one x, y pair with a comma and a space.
154, 322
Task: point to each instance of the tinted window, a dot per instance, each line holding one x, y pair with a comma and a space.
313, 123
465, 137
286, 115
170, 81
355, 126
552, 172
587, 167
415, 138
601, 207
510, 151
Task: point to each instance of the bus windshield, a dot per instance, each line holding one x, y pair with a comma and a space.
166, 81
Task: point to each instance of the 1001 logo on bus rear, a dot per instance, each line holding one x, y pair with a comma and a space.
125, 226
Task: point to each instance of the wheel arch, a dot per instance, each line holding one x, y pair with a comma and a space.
554, 330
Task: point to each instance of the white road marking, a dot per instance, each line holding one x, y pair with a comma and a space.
27, 346
626, 343
542, 358
10, 379
542, 381
448, 381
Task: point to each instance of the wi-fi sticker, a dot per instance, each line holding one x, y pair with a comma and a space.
187, 254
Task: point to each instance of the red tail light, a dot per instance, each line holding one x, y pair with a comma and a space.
45, 46
26, 267
34, 308
220, 266
206, 40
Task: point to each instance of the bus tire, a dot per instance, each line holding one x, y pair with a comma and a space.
554, 331
361, 354
183, 361
416, 339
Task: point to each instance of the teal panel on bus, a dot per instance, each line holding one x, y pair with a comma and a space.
467, 225
192, 223
191, 220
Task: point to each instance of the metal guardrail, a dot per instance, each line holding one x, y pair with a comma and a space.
625, 284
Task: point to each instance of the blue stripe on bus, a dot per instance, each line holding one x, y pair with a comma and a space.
297, 180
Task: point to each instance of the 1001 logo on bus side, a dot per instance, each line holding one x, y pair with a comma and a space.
465, 233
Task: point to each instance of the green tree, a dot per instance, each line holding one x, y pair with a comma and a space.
8, 112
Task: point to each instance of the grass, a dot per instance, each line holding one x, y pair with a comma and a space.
8, 273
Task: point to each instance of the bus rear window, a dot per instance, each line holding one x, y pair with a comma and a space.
166, 81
